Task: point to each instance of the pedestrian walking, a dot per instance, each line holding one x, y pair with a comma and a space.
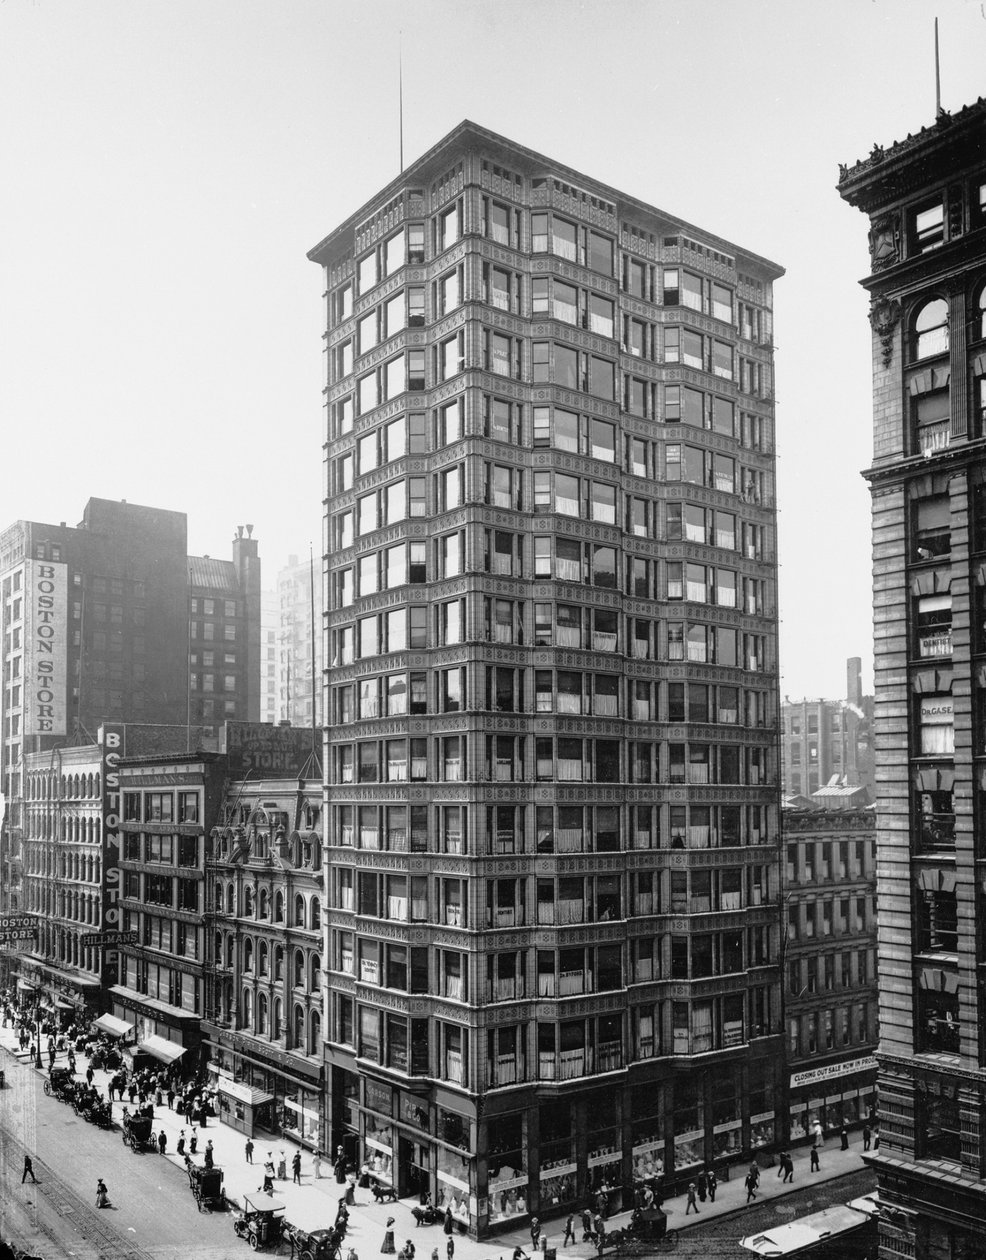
268, 1186
449, 1247
788, 1168
814, 1159
702, 1184
586, 1225
569, 1230
102, 1194
448, 1224
713, 1185
867, 1135
181, 1143
296, 1168
691, 1205
844, 1135
28, 1168
781, 1161
751, 1187
535, 1232
755, 1174
193, 1143
317, 1165
434, 1253
162, 1142
249, 1151
208, 1154
171, 1098
387, 1247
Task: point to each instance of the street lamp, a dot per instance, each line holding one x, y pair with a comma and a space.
37, 1023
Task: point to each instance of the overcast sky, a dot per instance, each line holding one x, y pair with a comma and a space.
167, 164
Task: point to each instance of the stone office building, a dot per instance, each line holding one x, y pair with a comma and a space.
552, 779
925, 198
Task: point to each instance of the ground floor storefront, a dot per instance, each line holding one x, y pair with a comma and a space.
543, 1151
65, 996
264, 1090
162, 1033
824, 1100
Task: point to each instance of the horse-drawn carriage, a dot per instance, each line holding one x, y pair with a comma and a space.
646, 1233
91, 1107
207, 1186
317, 1244
261, 1222
61, 1083
137, 1132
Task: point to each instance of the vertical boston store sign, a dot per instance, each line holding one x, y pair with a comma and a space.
111, 741
46, 683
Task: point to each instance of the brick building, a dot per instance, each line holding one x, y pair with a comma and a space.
925, 198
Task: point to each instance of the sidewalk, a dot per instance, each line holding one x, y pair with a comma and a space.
313, 1204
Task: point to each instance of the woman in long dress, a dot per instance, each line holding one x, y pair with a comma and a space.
388, 1248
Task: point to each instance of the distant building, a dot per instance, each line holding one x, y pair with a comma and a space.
925, 199
299, 653
264, 1007
830, 993
270, 700
828, 742
71, 872
113, 621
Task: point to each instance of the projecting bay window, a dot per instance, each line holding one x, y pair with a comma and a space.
501, 419
505, 975
504, 553
504, 829
638, 278
681, 288
504, 758
505, 902
453, 903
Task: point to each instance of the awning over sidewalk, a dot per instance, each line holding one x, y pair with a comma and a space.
160, 1048
113, 1026
243, 1093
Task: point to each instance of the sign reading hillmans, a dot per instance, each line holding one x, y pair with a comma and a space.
108, 938
46, 643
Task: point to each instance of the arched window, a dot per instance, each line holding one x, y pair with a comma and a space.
315, 1034
231, 900
248, 1008
262, 958
980, 322
277, 1022
230, 946
279, 907
298, 1037
931, 329
299, 968
248, 955
315, 973
316, 913
248, 902
262, 1013
299, 911
278, 962
263, 906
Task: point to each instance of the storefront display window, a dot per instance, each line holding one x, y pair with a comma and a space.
762, 1130
378, 1137
727, 1140
506, 1168
454, 1173
557, 1188
689, 1123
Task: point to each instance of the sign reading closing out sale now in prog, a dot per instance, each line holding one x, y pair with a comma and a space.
46, 647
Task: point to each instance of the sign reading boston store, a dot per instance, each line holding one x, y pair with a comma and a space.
46, 635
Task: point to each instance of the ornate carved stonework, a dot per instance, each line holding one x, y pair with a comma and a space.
884, 238
884, 318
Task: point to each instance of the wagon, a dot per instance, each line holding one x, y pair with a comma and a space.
137, 1132
207, 1187
317, 1244
61, 1083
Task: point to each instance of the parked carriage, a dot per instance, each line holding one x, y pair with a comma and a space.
207, 1187
61, 1083
137, 1132
317, 1244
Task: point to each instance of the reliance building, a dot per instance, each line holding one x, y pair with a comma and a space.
551, 825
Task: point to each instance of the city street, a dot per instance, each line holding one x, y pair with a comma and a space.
154, 1213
